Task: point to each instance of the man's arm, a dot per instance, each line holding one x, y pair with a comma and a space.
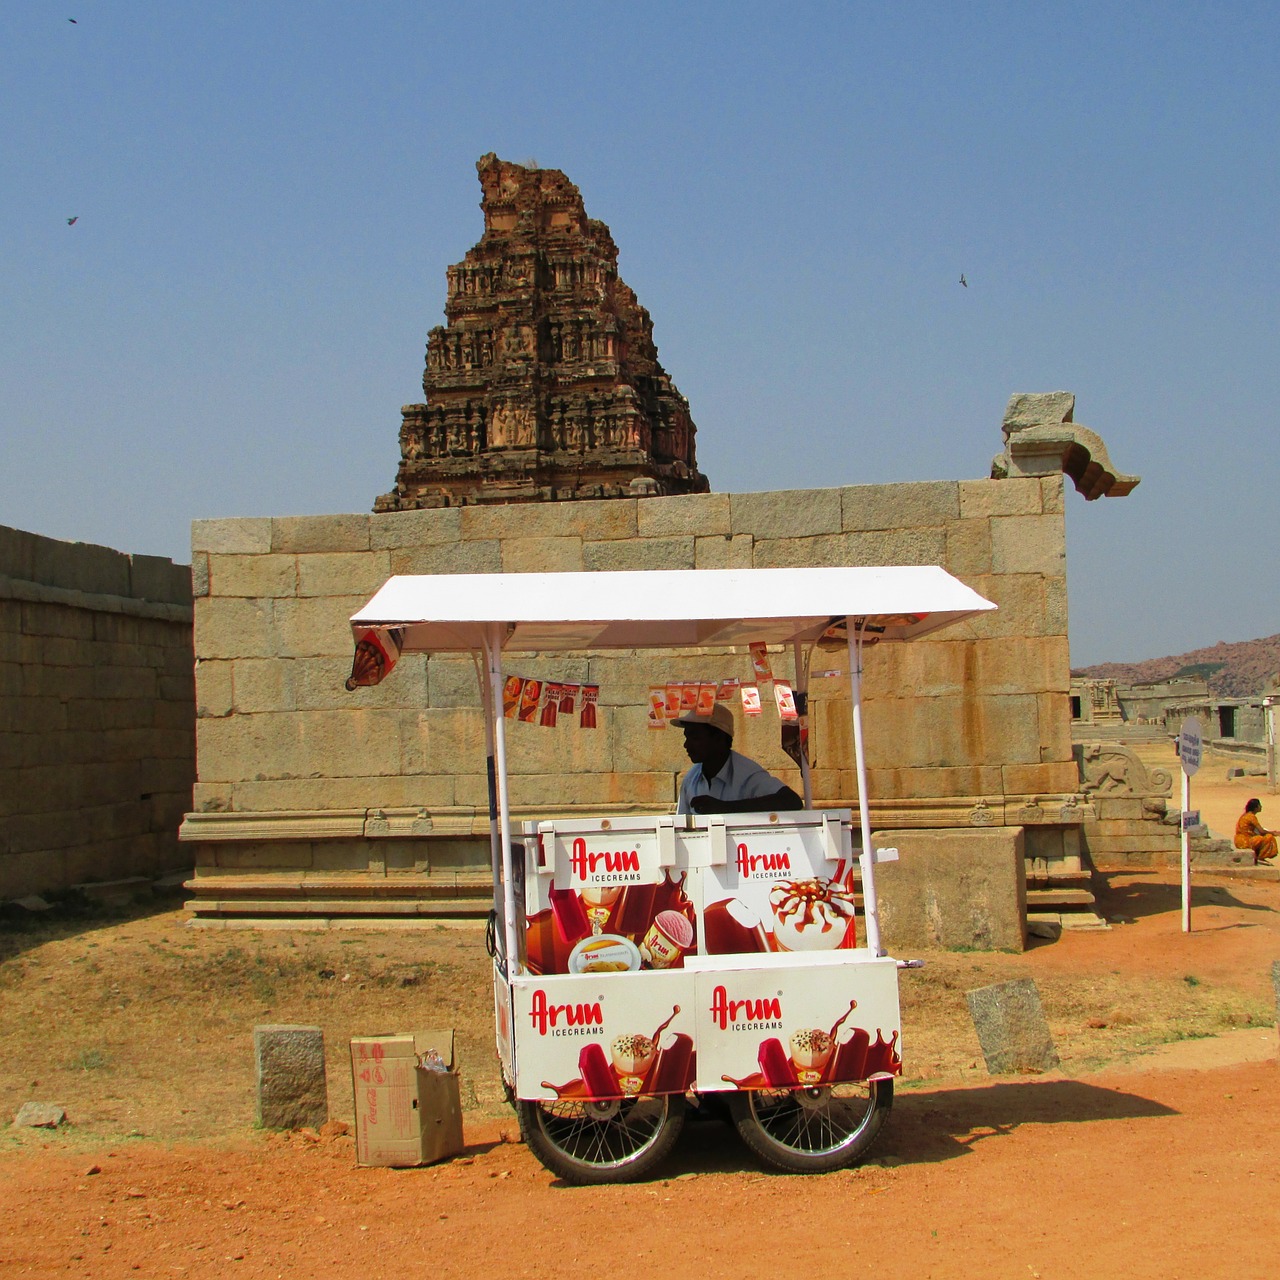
778, 801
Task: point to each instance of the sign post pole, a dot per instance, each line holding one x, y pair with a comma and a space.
1269, 703
1189, 746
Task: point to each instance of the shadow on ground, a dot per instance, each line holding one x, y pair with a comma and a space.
927, 1127
1139, 898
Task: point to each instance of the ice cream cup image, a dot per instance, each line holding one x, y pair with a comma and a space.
632, 1056
811, 1050
810, 915
669, 937
604, 953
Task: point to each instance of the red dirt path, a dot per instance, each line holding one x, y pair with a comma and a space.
1164, 1174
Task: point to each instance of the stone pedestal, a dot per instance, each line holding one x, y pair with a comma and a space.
291, 1078
953, 888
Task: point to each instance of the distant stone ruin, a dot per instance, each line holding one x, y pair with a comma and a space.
545, 382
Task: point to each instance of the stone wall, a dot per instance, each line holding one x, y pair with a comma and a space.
97, 742
302, 780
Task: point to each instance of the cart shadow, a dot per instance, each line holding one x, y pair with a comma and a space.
940, 1125
928, 1127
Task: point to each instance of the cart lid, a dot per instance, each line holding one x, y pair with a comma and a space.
665, 609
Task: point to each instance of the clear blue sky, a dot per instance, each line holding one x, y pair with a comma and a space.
268, 195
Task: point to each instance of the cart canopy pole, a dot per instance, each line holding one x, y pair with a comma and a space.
870, 904
495, 843
493, 662
802, 688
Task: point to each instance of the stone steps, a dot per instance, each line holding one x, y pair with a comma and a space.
219, 899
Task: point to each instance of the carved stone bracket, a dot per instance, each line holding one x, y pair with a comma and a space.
1107, 768
1040, 439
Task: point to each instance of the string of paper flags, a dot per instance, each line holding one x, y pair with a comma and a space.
531, 700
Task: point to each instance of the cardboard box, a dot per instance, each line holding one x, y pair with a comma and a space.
406, 1114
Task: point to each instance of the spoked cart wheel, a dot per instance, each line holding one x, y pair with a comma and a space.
812, 1130
590, 1143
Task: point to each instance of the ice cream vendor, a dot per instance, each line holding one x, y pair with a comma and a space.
723, 780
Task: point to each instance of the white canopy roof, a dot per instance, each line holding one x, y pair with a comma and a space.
675, 608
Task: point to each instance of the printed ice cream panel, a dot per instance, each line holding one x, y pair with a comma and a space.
778, 890
583, 1037
810, 1025
597, 901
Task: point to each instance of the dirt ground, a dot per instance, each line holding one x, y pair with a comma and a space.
1150, 1154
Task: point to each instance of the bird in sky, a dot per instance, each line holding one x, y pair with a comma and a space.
71, 222
73, 20
963, 281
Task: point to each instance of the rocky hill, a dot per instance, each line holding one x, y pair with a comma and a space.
1240, 670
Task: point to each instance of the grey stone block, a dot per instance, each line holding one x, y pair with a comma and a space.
39, 1115
1011, 1027
1275, 983
291, 1078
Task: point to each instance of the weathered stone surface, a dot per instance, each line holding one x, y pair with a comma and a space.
462, 557
952, 889
389, 531
343, 573
722, 552
1011, 1027
1030, 409
1275, 986
545, 382
900, 506
250, 536
327, 534
1020, 496
643, 553
700, 515
291, 1077
786, 513
542, 555
236, 628
253, 576
39, 1115
1028, 544
968, 548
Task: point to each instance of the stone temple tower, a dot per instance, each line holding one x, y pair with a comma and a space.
545, 383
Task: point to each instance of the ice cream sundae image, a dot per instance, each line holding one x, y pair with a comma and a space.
810, 1053
811, 915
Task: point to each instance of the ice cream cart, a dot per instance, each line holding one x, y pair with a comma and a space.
644, 963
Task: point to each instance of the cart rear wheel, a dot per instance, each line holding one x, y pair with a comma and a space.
812, 1130
589, 1143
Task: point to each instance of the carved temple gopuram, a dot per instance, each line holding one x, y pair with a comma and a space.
545, 383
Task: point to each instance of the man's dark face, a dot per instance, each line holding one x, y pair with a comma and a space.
702, 743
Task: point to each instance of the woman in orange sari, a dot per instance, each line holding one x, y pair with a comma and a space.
1251, 834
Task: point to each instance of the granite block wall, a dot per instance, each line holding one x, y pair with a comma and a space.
97, 716
970, 728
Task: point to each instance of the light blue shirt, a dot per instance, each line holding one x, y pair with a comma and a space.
739, 779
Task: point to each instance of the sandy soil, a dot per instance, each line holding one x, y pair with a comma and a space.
1159, 1165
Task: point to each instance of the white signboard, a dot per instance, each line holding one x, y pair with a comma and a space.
1189, 745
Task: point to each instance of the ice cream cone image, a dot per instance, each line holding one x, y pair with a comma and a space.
632, 1056
810, 1052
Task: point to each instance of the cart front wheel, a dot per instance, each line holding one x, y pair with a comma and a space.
812, 1130
590, 1143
